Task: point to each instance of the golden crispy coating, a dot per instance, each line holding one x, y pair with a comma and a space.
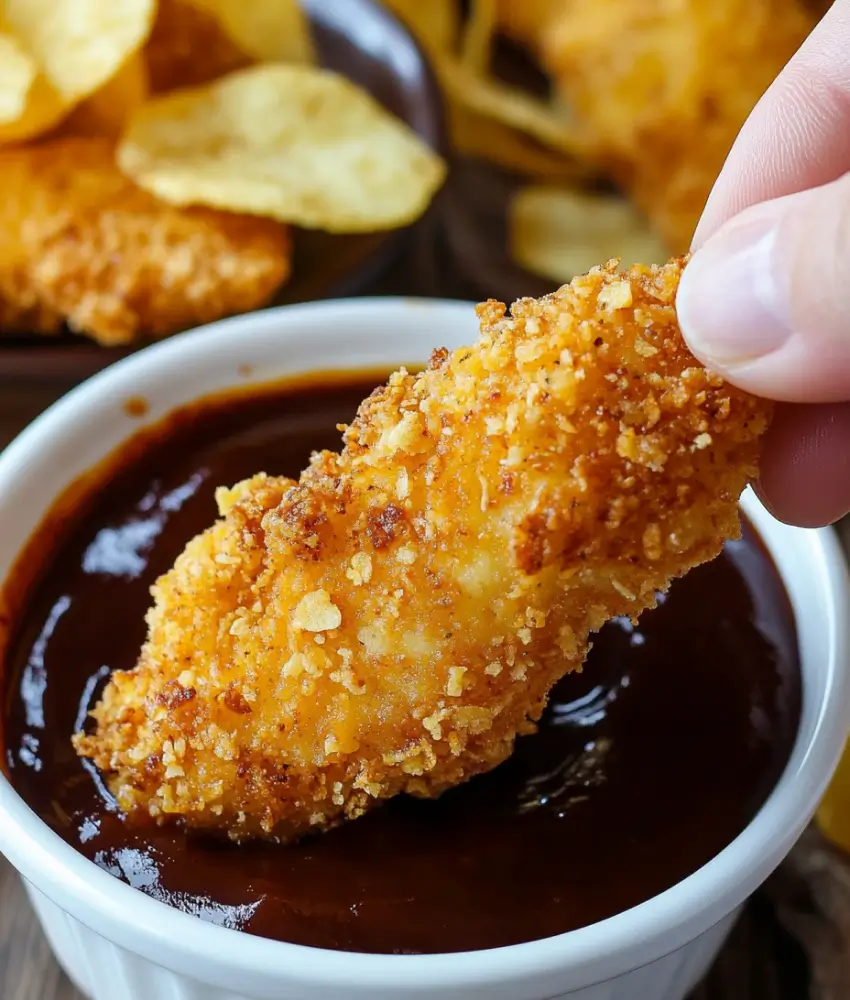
392, 621
22, 309
188, 47
79, 242
662, 88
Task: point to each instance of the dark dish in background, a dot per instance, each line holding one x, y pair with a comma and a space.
646, 765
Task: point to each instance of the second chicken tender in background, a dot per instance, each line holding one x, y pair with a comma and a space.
394, 620
81, 244
661, 88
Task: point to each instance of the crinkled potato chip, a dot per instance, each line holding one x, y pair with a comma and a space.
265, 30
434, 23
79, 44
477, 43
558, 233
549, 123
188, 47
293, 143
108, 109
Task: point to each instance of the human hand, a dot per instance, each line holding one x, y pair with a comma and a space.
766, 297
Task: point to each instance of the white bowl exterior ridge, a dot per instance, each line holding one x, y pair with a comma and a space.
103, 970
119, 944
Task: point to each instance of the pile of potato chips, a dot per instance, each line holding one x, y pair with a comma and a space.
558, 226
220, 103
216, 103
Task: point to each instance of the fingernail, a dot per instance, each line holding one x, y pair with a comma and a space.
729, 303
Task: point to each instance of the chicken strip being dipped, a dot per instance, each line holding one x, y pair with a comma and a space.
391, 622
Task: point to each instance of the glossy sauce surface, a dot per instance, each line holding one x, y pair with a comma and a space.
645, 766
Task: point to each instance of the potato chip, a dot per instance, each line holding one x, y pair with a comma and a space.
549, 123
477, 43
79, 44
489, 140
43, 112
434, 23
18, 72
559, 233
294, 143
28, 104
265, 30
107, 110
188, 47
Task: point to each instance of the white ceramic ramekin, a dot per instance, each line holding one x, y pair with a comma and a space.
118, 944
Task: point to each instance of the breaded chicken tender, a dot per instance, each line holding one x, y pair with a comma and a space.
80, 243
662, 87
393, 620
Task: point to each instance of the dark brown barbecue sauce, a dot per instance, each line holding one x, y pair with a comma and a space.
645, 766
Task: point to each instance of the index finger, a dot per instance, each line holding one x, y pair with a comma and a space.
798, 135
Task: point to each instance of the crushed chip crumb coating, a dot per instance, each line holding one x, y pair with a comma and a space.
610, 462
80, 243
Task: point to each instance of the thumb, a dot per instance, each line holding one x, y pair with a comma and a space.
766, 300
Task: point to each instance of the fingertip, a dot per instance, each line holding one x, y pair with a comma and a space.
805, 466
765, 301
